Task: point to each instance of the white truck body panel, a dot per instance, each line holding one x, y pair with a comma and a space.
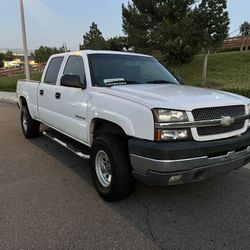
29, 92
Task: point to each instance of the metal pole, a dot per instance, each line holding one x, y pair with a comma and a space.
25, 50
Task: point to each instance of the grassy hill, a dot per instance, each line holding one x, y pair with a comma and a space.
229, 70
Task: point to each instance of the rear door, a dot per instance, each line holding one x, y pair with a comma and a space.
47, 92
71, 104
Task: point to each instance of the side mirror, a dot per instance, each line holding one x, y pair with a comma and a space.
179, 79
73, 81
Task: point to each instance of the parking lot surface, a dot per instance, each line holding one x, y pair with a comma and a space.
47, 201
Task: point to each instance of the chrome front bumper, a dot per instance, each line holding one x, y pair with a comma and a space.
159, 163
143, 165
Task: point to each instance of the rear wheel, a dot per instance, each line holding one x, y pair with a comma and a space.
110, 168
30, 127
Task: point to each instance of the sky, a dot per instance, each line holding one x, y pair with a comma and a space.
54, 22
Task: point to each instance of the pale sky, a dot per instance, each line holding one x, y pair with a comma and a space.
54, 22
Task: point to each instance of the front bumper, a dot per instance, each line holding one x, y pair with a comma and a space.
157, 163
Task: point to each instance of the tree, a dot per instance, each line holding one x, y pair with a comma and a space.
117, 43
245, 29
9, 56
212, 21
164, 25
2, 56
43, 53
93, 39
176, 53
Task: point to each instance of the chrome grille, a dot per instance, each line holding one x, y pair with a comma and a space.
205, 131
218, 112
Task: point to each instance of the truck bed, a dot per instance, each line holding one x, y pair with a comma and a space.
28, 89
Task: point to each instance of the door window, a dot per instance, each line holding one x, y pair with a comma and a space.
53, 70
75, 66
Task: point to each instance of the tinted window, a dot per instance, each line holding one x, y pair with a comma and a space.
53, 70
75, 66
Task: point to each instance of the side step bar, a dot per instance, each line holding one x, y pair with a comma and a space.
74, 146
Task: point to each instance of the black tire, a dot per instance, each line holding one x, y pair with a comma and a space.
30, 127
122, 181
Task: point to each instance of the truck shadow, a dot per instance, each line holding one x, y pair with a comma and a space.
211, 214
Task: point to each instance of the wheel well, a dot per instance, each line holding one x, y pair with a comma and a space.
100, 126
23, 102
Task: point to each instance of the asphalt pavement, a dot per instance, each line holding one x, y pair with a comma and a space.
47, 201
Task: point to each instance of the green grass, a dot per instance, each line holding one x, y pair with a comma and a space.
8, 83
229, 71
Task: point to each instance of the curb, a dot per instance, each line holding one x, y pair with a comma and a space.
8, 96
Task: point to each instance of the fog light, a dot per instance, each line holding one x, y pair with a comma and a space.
175, 178
174, 134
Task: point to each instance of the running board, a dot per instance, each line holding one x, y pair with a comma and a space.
76, 147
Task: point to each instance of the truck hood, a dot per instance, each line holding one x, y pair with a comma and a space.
174, 96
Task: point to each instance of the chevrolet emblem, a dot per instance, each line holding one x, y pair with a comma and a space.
227, 121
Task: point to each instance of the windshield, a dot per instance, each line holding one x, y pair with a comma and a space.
109, 70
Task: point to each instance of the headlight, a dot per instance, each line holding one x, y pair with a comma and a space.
165, 115
168, 116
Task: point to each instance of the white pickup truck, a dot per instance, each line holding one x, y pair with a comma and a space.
135, 121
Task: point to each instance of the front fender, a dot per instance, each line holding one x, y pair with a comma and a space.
135, 119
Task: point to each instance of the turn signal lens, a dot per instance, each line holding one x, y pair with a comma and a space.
171, 135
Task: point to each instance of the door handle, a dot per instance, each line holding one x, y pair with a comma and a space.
41, 92
58, 95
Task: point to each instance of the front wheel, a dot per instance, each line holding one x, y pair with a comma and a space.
110, 168
30, 127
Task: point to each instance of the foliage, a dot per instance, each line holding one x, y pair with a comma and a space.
176, 52
211, 21
117, 43
245, 29
2, 56
9, 56
178, 29
164, 25
93, 39
42, 54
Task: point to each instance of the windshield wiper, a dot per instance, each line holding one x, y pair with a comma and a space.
161, 81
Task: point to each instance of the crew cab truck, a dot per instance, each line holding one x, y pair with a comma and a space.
135, 121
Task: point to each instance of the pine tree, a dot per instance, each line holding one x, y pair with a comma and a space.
93, 39
245, 29
163, 25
